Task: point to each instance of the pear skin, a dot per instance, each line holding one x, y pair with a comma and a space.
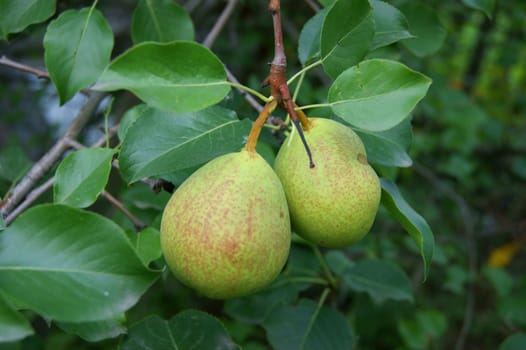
333, 204
226, 231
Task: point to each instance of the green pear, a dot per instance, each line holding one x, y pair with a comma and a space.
226, 231
333, 204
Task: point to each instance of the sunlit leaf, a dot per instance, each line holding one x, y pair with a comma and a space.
180, 76
377, 94
70, 265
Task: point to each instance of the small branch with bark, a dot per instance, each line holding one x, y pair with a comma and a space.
277, 79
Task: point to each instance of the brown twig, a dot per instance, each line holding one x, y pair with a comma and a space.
23, 68
277, 78
41, 167
30, 199
313, 5
220, 23
139, 225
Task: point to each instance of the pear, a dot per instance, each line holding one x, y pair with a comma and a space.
226, 231
333, 204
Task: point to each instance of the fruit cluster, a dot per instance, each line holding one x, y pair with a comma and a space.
226, 230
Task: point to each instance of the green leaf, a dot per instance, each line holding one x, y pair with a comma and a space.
309, 41
159, 142
419, 332
131, 117
77, 59
300, 327
14, 163
148, 245
13, 325
161, 20
388, 147
15, 16
179, 76
377, 94
512, 309
382, 280
255, 308
189, 329
500, 279
326, 3
70, 265
346, 35
391, 25
413, 222
516, 341
96, 330
82, 176
425, 25
486, 6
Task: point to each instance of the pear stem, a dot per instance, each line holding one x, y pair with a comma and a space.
324, 266
258, 125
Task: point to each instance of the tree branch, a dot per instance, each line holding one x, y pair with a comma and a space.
41, 167
139, 225
30, 198
220, 23
23, 68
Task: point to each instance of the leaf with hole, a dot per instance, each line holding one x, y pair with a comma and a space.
76, 60
75, 266
377, 94
82, 176
179, 76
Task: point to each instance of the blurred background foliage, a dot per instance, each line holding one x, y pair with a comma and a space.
468, 179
